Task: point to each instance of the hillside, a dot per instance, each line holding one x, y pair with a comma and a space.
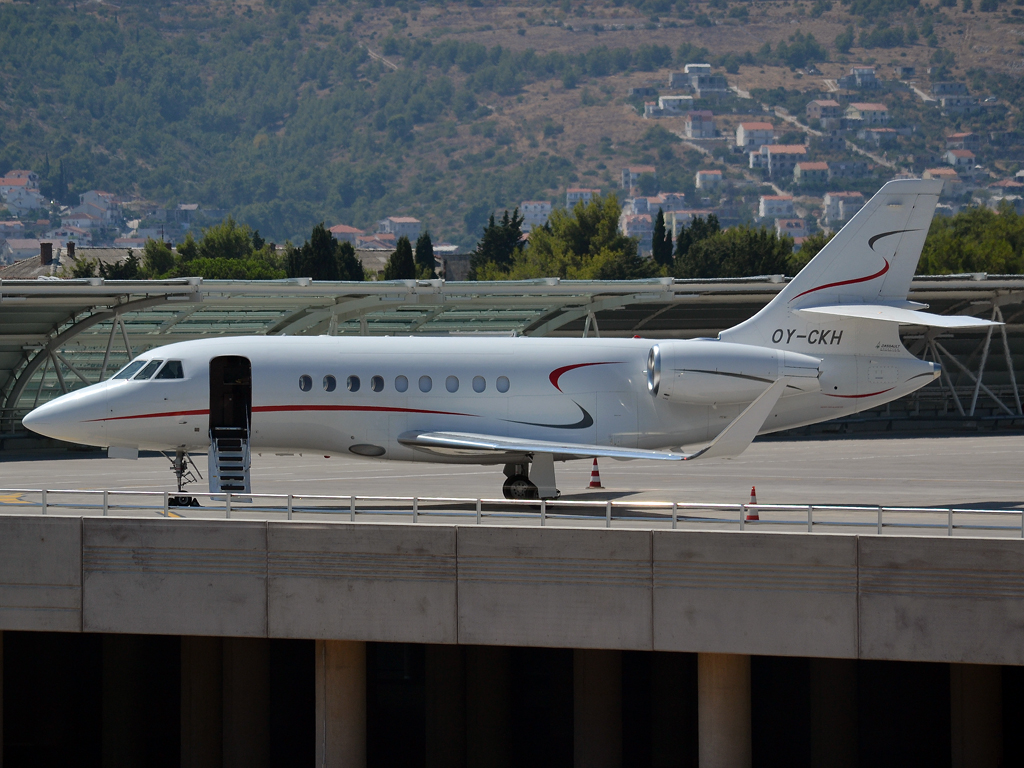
288, 113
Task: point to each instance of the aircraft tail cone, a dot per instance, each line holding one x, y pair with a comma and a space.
752, 513
595, 476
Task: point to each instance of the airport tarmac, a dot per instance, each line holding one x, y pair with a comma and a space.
980, 472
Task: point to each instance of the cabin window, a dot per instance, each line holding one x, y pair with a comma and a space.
425, 383
172, 370
352, 383
502, 383
129, 370
452, 384
148, 371
305, 383
401, 383
479, 383
330, 383
377, 383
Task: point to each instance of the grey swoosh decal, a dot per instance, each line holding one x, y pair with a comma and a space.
871, 242
586, 421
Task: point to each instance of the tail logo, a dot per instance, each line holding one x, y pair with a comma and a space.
879, 273
871, 242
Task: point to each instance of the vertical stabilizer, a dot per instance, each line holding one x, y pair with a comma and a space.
871, 260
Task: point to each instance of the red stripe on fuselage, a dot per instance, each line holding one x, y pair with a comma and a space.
556, 374
284, 408
879, 273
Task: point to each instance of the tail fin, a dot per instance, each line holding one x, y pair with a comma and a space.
870, 261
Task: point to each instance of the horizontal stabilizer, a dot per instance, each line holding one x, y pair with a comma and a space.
899, 315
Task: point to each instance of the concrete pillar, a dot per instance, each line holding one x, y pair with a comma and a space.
341, 704
202, 702
833, 713
246, 692
445, 703
488, 707
976, 715
723, 707
597, 708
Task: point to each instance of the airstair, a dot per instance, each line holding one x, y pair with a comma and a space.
229, 460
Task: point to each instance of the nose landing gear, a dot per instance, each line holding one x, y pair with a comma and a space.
185, 472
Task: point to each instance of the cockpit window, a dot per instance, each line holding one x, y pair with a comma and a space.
129, 370
148, 371
172, 370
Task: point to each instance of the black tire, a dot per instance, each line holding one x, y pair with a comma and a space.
519, 487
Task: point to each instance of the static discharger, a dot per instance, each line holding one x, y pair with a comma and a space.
752, 513
595, 476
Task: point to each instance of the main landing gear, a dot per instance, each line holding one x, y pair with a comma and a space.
531, 481
185, 471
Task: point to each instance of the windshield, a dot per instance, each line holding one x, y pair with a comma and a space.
172, 370
149, 370
128, 370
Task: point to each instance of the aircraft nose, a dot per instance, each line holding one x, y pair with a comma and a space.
75, 417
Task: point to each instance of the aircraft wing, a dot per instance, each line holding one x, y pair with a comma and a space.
732, 441
899, 315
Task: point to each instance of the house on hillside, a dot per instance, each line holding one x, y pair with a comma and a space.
905, 72
951, 182
775, 207
949, 89
860, 78
583, 195
700, 124
343, 232
643, 91
400, 226
675, 105
967, 140
960, 159
752, 136
631, 174
878, 137
953, 105
810, 174
640, 226
782, 158
827, 111
708, 179
15, 249
841, 206
867, 113
793, 227
847, 169
705, 85
535, 213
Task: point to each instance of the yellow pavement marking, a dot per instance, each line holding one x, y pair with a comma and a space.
13, 498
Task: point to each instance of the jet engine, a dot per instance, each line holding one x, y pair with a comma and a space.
712, 372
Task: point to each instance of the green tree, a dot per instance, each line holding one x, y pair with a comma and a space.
738, 252
808, 250
400, 265
844, 40
157, 258
974, 240
661, 242
316, 258
126, 269
582, 244
700, 228
226, 240
501, 242
424, 257
83, 267
349, 267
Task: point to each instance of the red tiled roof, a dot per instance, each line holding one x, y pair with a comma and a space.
787, 149
965, 153
757, 126
345, 229
865, 106
813, 166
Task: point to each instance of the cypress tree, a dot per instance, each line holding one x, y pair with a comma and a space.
401, 265
661, 242
425, 257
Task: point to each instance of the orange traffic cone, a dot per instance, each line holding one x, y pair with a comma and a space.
595, 476
752, 513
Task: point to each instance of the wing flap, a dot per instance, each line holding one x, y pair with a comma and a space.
899, 315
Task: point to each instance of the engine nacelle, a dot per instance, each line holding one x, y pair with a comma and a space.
711, 372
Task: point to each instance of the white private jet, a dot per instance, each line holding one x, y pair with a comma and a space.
827, 345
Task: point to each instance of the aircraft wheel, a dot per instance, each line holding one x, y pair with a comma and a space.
519, 487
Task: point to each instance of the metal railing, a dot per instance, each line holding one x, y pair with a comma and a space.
418, 509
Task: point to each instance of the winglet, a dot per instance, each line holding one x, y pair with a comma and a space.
735, 438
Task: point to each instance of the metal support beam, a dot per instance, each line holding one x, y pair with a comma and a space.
981, 365
72, 368
110, 344
966, 370
1009, 361
60, 375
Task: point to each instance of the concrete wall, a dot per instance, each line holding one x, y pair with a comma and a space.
817, 595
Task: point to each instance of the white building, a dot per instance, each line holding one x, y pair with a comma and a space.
708, 179
400, 226
583, 195
841, 206
775, 207
535, 213
793, 227
631, 174
751, 136
700, 124
675, 105
640, 226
